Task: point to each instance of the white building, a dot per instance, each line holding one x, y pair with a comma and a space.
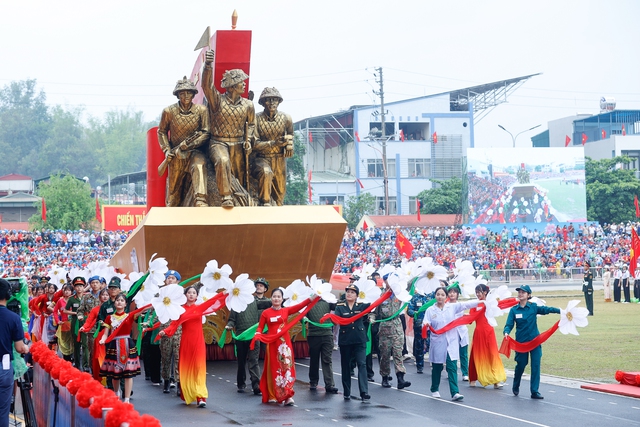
424, 139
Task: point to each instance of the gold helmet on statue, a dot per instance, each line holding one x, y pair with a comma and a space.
184, 84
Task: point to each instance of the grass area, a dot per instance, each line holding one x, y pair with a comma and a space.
568, 199
609, 343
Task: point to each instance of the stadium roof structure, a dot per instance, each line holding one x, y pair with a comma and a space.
486, 97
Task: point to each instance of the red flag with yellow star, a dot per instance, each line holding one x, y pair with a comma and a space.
635, 252
403, 244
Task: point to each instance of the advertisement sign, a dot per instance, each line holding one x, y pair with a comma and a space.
124, 217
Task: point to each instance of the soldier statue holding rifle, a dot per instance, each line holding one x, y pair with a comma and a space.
183, 129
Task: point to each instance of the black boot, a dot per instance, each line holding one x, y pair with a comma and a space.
385, 382
166, 386
178, 391
401, 382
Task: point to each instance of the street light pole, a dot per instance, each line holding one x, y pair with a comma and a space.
513, 138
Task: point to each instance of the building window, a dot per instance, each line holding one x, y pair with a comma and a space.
375, 170
393, 207
331, 200
419, 168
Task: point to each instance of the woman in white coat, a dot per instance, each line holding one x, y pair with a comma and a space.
445, 347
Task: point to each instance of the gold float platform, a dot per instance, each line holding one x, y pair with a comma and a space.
281, 243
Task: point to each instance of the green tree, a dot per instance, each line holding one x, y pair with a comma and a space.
445, 199
610, 190
69, 204
358, 206
297, 185
24, 127
67, 150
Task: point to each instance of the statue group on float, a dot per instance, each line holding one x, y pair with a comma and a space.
224, 154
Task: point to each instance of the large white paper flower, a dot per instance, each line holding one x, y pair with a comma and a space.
467, 284
409, 269
78, 272
366, 271
296, 292
240, 293
369, 292
398, 285
157, 268
57, 275
126, 283
322, 289
463, 267
386, 269
430, 278
147, 291
214, 277
168, 302
204, 295
97, 267
571, 317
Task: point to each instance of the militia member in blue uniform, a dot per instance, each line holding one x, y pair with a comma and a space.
524, 317
353, 342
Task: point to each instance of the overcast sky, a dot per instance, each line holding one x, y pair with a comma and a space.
121, 54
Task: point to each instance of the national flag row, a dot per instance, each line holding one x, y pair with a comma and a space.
585, 138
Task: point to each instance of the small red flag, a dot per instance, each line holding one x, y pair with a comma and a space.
364, 225
435, 138
624, 132
635, 252
567, 141
360, 182
357, 137
584, 138
401, 135
310, 193
635, 202
44, 211
604, 134
418, 206
403, 245
98, 211
310, 137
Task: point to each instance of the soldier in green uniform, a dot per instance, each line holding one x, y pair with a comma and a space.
524, 317
587, 287
73, 303
241, 322
353, 342
320, 342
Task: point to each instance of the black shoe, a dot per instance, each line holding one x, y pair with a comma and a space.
352, 373
331, 390
147, 377
385, 382
365, 397
178, 392
371, 380
241, 390
420, 371
347, 397
516, 390
165, 389
313, 387
257, 391
537, 395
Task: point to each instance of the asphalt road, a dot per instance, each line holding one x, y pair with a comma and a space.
564, 404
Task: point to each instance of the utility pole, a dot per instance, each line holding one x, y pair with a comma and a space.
384, 142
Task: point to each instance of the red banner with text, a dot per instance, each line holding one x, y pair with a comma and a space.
122, 217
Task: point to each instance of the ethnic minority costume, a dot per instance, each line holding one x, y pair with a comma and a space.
121, 359
279, 373
485, 365
97, 349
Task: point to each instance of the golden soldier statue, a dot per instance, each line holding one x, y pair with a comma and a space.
184, 127
232, 131
274, 144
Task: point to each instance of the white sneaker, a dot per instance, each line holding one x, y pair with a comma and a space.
498, 385
457, 397
289, 402
465, 378
436, 394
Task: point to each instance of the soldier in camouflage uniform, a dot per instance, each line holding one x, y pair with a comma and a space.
390, 340
170, 346
183, 129
89, 301
275, 143
241, 322
233, 125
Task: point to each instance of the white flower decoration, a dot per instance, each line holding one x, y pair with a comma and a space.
147, 291
204, 295
157, 269
463, 267
322, 289
57, 275
126, 283
369, 292
296, 292
367, 270
399, 287
168, 302
409, 269
430, 278
78, 272
467, 284
214, 277
573, 316
240, 293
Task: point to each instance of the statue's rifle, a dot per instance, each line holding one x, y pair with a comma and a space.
246, 156
165, 163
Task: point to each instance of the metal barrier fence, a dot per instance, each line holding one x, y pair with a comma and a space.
540, 275
55, 406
